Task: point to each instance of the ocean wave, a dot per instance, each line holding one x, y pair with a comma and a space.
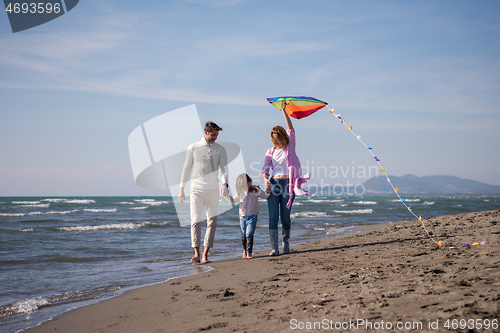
32, 304
36, 205
365, 202
70, 201
90, 210
26, 202
323, 201
54, 199
429, 203
355, 211
309, 214
125, 203
144, 200
26, 230
24, 306
12, 214
139, 208
79, 201
54, 212
406, 200
116, 226
151, 202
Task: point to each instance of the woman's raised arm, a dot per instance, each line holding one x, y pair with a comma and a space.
287, 117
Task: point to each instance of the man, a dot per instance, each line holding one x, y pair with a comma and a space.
205, 158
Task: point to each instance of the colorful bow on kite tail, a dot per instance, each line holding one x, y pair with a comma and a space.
382, 170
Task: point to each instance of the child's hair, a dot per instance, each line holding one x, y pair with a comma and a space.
242, 185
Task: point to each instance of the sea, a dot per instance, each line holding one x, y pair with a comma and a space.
61, 253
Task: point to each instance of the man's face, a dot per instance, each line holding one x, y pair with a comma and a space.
211, 136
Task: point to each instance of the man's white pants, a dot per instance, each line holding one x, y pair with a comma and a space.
199, 198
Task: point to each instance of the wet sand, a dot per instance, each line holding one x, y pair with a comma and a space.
361, 282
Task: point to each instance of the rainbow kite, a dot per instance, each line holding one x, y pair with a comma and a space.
298, 106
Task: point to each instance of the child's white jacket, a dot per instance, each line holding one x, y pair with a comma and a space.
252, 207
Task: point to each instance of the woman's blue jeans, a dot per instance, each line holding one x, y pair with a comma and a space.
276, 204
247, 227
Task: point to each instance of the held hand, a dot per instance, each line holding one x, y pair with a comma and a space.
224, 191
268, 185
181, 196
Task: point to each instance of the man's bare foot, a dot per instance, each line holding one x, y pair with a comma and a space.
195, 259
249, 256
244, 254
205, 260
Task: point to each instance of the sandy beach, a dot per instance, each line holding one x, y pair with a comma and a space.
392, 277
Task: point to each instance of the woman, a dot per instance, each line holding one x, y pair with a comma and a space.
284, 183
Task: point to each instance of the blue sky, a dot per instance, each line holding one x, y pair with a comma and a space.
418, 80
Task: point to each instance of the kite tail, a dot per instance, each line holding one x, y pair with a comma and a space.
382, 170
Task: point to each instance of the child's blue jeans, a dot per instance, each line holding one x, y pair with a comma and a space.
247, 227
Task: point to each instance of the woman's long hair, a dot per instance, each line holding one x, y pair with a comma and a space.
281, 136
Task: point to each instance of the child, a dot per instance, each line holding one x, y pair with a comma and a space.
247, 195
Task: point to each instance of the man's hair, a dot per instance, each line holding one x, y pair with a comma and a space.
211, 126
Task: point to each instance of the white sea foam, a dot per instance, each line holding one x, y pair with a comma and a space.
139, 208
106, 227
28, 305
54, 200
151, 202
70, 201
26, 230
25, 202
90, 210
54, 212
80, 201
125, 203
428, 203
406, 200
323, 201
157, 203
145, 200
309, 214
355, 211
37, 205
12, 214
298, 204
365, 202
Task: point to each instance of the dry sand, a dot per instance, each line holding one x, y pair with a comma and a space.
390, 276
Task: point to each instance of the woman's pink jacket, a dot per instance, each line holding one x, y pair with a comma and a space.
294, 170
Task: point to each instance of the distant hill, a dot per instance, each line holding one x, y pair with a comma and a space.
429, 184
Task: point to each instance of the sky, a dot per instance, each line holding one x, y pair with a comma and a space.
419, 81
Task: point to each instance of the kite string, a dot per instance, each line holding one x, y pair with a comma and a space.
403, 201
